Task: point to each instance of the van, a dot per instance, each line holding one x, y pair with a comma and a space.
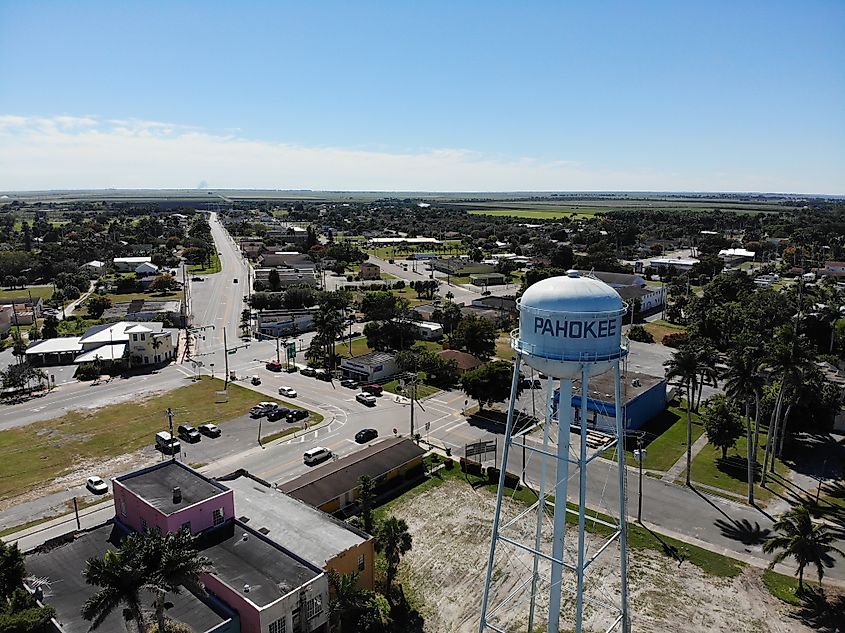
315, 455
167, 444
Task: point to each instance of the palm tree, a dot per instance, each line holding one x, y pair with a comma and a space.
708, 357
807, 542
120, 576
346, 602
173, 563
392, 538
683, 367
744, 383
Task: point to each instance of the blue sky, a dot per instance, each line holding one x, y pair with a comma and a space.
706, 96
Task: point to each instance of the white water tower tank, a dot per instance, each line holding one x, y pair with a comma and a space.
568, 321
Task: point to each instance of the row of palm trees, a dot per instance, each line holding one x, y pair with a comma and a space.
785, 363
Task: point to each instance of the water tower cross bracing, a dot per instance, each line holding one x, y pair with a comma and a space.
569, 330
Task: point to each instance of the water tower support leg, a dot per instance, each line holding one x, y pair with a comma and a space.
582, 502
623, 518
482, 625
541, 501
564, 416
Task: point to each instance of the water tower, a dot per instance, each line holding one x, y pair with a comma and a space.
569, 330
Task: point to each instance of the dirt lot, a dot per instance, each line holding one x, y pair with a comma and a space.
445, 572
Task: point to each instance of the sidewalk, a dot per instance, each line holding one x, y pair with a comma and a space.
679, 467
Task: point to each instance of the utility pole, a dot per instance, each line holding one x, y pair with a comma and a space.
640, 458
278, 357
170, 420
225, 360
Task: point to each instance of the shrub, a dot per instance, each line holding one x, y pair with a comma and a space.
676, 339
640, 334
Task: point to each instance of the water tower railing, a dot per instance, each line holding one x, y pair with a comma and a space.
543, 351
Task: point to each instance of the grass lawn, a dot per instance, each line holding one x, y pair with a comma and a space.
423, 390
410, 294
266, 439
150, 296
459, 279
659, 329
44, 292
39, 452
732, 474
202, 269
503, 347
665, 438
359, 346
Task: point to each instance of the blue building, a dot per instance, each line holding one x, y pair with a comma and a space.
644, 397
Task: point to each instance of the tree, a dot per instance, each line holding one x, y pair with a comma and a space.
274, 280
743, 383
684, 367
173, 563
807, 542
393, 540
367, 499
121, 577
163, 283
353, 609
476, 335
50, 329
151, 562
382, 305
640, 334
12, 569
246, 317
489, 383
97, 305
721, 423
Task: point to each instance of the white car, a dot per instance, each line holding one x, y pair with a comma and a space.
366, 398
290, 392
97, 485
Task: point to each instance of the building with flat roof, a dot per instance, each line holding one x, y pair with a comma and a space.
129, 264
333, 487
255, 580
314, 535
370, 271
286, 322
372, 367
57, 571
644, 397
461, 266
678, 263
488, 279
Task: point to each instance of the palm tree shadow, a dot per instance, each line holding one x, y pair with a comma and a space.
668, 549
821, 613
743, 531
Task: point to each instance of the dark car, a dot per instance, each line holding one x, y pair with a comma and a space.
273, 365
322, 374
197, 278
188, 433
278, 414
349, 383
376, 390
211, 430
308, 371
365, 435
295, 415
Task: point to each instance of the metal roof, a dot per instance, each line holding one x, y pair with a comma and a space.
64, 344
112, 351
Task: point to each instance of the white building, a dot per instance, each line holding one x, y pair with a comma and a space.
129, 264
372, 367
94, 267
678, 263
146, 269
427, 330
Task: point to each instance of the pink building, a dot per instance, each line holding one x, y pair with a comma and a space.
272, 589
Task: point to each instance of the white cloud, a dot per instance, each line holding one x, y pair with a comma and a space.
69, 152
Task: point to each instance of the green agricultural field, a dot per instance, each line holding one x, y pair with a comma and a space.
40, 452
573, 213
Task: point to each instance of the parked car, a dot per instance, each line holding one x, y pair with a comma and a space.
375, 390
188, 433
256, 380
316, 455
308, 371
167, 444
290, 392
365, 435
197, 278
349, 383
211, 430
322, 374
97, 485
263, 408
295, 415
366, 398
235, 280
278, 414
